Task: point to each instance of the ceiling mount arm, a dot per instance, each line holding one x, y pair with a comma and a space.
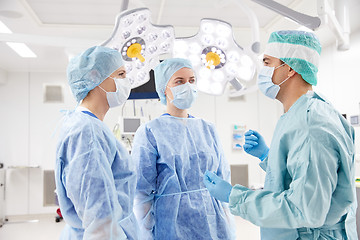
255, 46
303, 19
124, 5
338, 21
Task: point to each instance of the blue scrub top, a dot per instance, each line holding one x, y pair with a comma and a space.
95, 181
172, 155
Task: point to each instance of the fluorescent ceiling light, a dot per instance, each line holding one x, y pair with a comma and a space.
21, 49
4, 28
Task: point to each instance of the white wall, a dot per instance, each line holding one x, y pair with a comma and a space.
3, 76
339, 81
27, 126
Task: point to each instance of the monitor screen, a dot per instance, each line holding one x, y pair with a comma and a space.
354, 120
146, 91
131, 125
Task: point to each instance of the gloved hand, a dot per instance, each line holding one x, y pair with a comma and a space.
255, 145
217, 187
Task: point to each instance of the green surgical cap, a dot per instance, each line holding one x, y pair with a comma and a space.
298, 49
164, 71
90, 68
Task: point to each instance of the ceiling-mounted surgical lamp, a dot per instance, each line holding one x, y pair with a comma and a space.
215, 56
140, 43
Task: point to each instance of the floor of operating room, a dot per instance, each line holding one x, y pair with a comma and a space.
44, 227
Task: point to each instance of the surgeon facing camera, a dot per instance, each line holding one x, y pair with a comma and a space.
172, 153
95, 179
309, 190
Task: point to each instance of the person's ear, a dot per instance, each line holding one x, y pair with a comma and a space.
165, 93
291, 72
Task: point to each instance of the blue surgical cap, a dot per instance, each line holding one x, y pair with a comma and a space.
298, 49
90, 68
164, 71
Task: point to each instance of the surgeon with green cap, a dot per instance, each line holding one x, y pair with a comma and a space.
309, 190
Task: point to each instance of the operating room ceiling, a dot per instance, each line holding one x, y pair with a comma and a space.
58, 28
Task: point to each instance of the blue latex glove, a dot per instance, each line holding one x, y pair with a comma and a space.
217, 187
255, 145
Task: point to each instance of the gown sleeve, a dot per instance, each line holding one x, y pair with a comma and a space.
145, 155
312, 162
263, 164
90, 186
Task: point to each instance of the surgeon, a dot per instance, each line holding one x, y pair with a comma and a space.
172, 153
95, 179
309, 190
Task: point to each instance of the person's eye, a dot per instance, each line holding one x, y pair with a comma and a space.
192, 81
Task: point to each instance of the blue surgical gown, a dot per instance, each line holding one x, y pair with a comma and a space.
172, 202
309, 190
95, 181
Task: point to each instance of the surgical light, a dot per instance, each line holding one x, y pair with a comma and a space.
194, 59
246, 61
208, 28
219, 58
194, 47
218, 76
204, 73
244, 72
180, 46
223, 30
215, 88
140, 43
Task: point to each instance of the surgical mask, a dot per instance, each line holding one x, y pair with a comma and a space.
119, 97
265, 84
184, 95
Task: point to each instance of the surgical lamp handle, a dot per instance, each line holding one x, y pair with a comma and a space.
255, 47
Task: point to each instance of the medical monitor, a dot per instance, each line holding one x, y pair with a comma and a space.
130, 125
354, 120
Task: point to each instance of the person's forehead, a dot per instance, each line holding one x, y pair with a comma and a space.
122, 68
183, 72
270, 57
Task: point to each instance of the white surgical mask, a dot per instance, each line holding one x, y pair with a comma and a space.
265, 84
184, 95
119, 97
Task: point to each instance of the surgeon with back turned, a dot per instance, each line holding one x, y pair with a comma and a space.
95, 178
309, 190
